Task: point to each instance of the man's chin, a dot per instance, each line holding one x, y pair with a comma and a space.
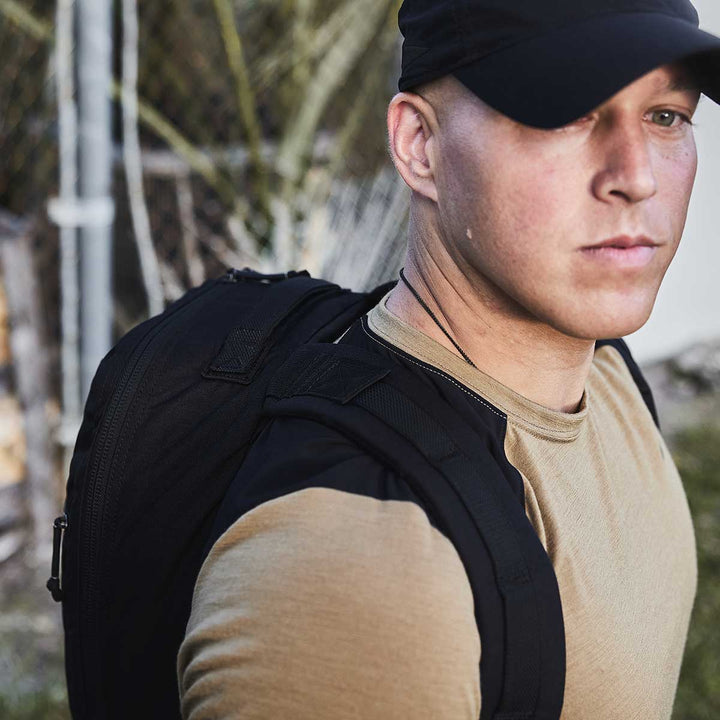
613, 322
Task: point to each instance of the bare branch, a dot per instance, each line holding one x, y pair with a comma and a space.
245, 100
356, 115
132, 155
332, 71
271, 67
26, 20
198, 160
301, 43
174, 289
189, 231
217, 246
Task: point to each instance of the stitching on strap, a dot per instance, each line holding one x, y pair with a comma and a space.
473, 395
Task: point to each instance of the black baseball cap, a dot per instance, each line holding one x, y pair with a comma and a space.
548, 62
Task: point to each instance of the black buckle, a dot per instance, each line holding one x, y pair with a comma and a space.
54, 583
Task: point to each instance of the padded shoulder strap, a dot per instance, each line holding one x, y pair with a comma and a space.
390, 412
638, 377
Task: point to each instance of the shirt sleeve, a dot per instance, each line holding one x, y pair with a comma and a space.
328, 604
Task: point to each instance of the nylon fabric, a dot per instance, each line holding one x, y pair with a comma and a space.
523, 672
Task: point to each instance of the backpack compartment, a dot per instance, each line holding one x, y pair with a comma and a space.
167, 423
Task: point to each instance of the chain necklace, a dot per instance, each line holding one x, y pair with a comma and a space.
425, 307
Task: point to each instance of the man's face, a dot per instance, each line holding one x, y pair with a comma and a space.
573, 227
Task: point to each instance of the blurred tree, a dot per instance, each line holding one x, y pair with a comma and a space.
26, 106
275, 75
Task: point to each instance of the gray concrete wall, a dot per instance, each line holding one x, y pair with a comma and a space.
688, 306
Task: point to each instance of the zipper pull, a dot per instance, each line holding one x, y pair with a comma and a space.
248, 275
53, 584
233, 275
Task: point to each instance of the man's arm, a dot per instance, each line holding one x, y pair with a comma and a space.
328, 604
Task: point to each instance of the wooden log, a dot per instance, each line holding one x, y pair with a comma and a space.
30, 373
12, 443
13, 512
12, 520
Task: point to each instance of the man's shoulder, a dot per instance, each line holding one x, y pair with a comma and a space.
327, 603
324, 552
292, 454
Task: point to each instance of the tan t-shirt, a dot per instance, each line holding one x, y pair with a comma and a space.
328, 604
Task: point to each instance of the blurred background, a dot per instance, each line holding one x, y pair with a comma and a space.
147, 147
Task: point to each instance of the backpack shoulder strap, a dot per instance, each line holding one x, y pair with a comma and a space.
390, 413
638, 377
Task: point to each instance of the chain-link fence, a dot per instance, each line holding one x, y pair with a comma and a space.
28, 154
260, 123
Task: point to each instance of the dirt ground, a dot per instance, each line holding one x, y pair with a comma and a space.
32, 677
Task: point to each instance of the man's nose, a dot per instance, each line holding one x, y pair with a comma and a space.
626, 172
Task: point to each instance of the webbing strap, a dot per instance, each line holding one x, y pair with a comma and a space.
522, 652
533, 677
244, 345
338, 375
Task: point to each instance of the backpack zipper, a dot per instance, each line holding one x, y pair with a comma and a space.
62, 522
94, 501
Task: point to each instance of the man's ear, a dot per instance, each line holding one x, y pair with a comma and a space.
412, 126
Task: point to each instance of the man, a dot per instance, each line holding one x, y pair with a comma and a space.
549, 149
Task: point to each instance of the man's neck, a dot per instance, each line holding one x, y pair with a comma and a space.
534, 360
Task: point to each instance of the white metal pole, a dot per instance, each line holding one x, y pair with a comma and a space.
94, 76
70, 293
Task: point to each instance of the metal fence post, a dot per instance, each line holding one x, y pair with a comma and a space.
94, 75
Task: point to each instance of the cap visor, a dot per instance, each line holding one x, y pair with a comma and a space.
551, 80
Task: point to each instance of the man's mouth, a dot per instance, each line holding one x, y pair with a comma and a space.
623, 251
624, 242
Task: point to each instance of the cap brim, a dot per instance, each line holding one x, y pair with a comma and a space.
551, 80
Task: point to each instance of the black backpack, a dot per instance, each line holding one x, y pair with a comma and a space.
170, 415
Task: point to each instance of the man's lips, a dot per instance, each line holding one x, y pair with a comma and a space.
623, 252
624, 242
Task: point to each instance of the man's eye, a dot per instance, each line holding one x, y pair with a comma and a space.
666, 118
